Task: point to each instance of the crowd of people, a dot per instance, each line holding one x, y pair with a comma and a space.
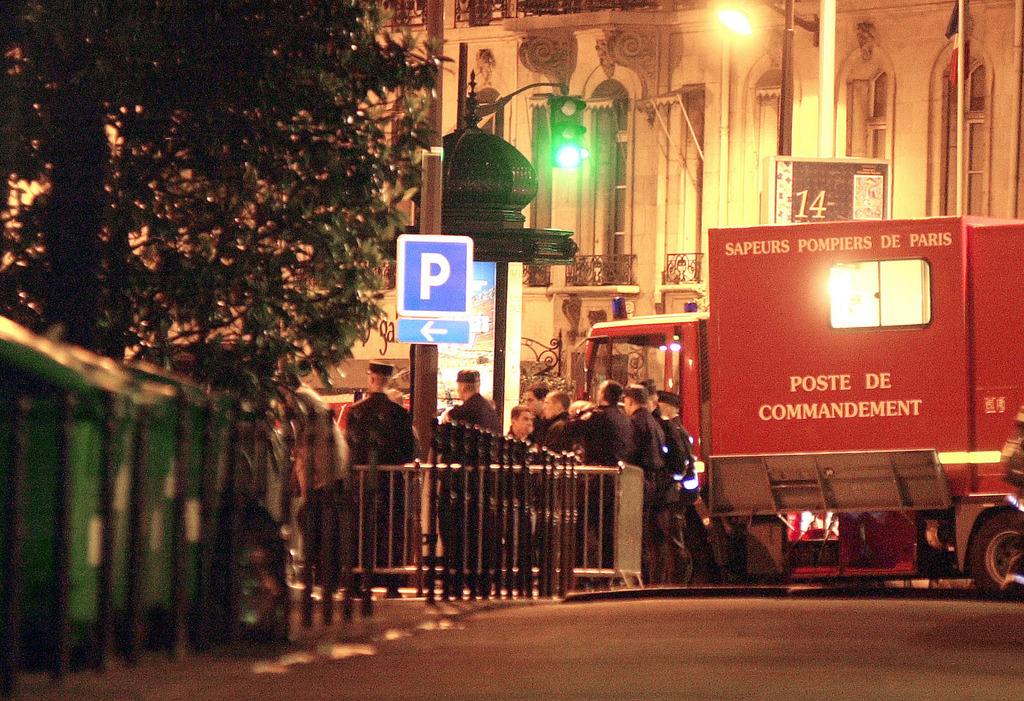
636, 424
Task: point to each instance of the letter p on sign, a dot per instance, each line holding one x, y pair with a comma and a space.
434, 276
428, 279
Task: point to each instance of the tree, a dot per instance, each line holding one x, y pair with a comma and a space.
209, 185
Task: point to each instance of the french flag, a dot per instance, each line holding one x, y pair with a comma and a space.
953, 31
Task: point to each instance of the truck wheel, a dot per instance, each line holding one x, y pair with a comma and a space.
994, 546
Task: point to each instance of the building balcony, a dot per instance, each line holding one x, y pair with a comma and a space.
682, 269
478, 13
600, 270
537, 276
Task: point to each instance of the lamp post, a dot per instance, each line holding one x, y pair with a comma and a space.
736, 20
785, 142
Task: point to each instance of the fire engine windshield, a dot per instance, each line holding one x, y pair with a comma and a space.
628, 360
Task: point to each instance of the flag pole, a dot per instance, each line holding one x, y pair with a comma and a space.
960, 73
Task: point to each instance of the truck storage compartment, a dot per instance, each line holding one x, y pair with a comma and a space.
862, 481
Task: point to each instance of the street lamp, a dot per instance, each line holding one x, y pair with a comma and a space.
736, 19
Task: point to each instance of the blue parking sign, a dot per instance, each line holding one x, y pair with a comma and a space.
434, 275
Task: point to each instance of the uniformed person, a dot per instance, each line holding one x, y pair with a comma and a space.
474, 410
379, 432
376, 422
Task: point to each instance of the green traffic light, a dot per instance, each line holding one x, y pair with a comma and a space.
567, 130
570, 156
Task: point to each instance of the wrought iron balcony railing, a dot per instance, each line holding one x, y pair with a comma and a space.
537, 275
564, 7
608, 269
407, 13
476, 13
682, 268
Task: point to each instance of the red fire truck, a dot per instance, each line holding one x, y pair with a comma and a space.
848, 393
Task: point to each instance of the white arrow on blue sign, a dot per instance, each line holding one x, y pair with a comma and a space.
435, 273
433, 331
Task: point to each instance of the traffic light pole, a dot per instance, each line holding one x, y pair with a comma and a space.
498, 106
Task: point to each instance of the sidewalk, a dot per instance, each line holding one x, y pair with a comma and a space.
212, 674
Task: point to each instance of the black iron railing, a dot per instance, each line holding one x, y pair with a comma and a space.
537, 275
608, 269
682, 268
482, 12
547, 357
407, 13
564, 7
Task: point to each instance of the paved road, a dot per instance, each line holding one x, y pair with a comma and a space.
692, 648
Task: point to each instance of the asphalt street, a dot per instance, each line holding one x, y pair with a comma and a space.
694, 647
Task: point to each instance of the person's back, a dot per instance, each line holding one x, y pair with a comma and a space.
474, 410
376, 422
648, 439
648, 436
605, 431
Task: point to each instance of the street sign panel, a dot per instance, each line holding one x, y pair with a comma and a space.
434, 275
433, 331
802, 190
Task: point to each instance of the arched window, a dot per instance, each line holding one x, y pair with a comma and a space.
767, 95
868, 109
866, 99
607, 168
976, 143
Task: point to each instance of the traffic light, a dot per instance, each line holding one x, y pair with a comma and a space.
567, 130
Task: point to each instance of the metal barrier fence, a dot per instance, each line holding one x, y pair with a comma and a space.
486, 517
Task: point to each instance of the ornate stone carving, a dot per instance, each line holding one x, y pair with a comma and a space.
636, 50
552, 54
571, 308
866, 39
607, 60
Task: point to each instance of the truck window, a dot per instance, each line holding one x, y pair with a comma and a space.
628, 360
872, 294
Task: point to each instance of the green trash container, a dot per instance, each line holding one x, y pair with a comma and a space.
182, 463
68, 402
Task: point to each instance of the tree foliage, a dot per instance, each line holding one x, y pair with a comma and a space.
242, 159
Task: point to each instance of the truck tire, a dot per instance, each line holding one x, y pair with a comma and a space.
994, 545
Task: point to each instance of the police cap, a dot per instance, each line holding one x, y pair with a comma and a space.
382, 369
670, 398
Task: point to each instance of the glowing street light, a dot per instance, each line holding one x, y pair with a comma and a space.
736, 19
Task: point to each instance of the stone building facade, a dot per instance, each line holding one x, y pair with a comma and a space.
682, 115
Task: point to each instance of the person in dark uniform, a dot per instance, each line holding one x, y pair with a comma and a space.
557, 437
459, 537
474, 410
376, 422
648, 454
522, 423
605, 432
533, 398
379, 432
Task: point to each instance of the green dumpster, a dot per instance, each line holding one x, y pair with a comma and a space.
188, 442
68, 405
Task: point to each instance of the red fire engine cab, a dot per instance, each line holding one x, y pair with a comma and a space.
848, 393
